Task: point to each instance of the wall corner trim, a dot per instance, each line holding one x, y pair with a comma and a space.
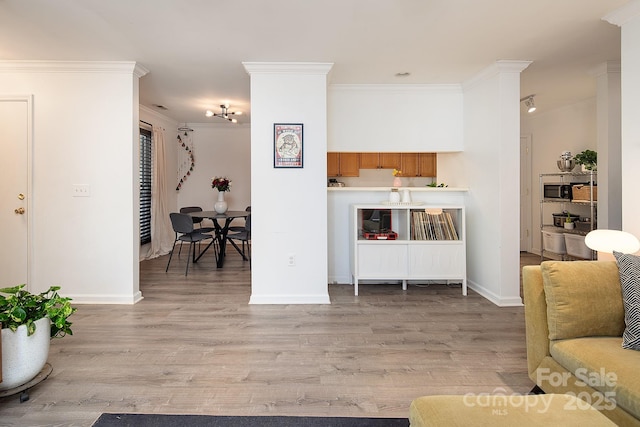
623, 14
498, 67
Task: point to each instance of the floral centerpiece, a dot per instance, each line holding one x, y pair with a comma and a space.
397, 182
221, 183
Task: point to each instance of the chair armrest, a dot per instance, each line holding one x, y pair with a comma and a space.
535, 312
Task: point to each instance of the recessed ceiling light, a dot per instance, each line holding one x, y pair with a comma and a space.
160, 107
404, 74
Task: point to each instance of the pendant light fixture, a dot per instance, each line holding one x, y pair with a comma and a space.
224, 113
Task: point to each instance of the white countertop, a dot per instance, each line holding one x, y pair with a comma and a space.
412, 189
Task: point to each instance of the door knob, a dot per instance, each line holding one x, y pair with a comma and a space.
19, 211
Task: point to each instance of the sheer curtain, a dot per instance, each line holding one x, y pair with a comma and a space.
162, 235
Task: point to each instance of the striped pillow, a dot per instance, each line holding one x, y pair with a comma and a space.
629, 269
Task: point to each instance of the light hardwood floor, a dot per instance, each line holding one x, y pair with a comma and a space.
195, 346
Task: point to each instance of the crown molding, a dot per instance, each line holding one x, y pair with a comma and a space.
129, 67
305, 68
624, 14
220, 125
498, 67
156, 114
415, 87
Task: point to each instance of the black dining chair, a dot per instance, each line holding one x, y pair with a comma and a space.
185, 232
243, 236
196, 222
239, 228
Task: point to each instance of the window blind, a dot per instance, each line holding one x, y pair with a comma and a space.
145, 186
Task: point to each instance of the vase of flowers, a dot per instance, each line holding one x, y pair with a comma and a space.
397, 181
222, 184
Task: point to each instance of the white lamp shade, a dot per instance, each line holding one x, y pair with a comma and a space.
612, 240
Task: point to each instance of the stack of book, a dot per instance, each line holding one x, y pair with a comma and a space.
428, 226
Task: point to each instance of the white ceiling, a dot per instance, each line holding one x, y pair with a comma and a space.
194, 49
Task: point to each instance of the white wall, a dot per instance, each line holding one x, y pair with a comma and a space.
218, 150
84, 132
382, 178
289, 206
570, 128
609, 111
628, 18
409, 118
491, 163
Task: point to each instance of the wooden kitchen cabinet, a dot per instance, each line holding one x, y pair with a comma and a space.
380, 160
369, 160
389, 160
333, 164
418, 164
343, 164
411, 164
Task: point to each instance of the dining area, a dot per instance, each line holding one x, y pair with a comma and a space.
209, 233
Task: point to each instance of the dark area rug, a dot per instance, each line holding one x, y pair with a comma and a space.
160, 420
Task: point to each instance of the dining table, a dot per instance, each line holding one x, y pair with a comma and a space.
221, 223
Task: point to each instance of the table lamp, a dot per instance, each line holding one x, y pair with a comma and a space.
607, 241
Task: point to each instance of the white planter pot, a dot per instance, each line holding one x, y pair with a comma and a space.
23, 357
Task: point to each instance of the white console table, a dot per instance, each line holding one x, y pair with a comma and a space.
427, 243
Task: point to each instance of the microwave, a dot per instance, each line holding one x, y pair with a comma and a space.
557, 191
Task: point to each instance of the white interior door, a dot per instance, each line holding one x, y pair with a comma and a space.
15, 140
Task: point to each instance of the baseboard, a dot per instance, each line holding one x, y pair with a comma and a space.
338, 280
106, 299
515, 301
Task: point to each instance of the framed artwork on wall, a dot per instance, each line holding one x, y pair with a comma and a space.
287, 145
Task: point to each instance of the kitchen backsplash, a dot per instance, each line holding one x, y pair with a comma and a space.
381, 178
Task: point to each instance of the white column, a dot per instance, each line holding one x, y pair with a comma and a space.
289, 206
491, 162
609, 145
628, 19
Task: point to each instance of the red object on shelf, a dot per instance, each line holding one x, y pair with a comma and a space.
381, 236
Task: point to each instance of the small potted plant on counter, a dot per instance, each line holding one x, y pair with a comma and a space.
588, 159
29, 322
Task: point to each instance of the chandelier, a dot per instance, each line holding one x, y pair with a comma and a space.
224, 113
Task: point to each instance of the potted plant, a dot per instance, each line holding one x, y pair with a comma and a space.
568, 222
29, 322
588, 159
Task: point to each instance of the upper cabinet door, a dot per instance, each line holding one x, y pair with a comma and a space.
380, 160
409, 164
369, 160
333, 164
428, 163
390, 160
349, 164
